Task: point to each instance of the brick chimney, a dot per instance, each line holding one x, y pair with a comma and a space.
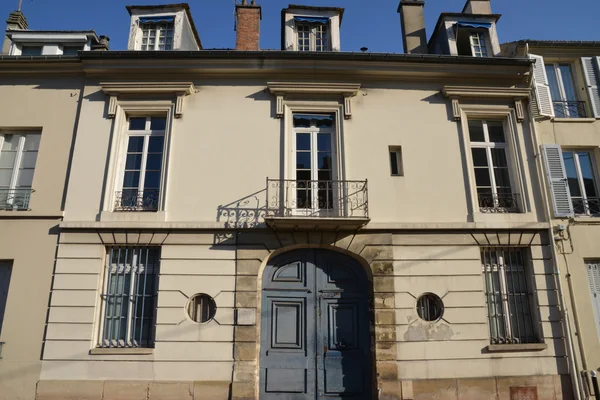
477, 7
16, 20
248, 18
412, 19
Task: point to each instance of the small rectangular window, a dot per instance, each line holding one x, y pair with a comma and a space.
313, 37
396, 167
129, 297
31, 50
471, 42
593, 271
5, 272
508, 295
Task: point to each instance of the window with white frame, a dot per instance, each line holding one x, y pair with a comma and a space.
472, 43
315, 162
562, 89
508, 295
581, 178
139, 188
18, 156
313, 36
129, 297
157, 35
491, 161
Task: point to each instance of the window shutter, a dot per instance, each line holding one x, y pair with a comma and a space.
593, 270
591, 71
557, 179
543, 96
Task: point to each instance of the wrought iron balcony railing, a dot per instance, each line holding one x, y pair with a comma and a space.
589, 206
569, 109
288, 198
15, 199
137, 200
498, 203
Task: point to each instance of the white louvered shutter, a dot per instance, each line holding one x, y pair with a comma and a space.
5, 270
591, 71
593, 270
557, 179
543, 96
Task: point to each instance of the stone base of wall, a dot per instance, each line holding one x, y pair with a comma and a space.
551, 387
132, 390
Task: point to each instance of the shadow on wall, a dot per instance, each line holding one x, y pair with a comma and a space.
247, 212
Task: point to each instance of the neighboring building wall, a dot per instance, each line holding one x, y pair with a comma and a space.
29, 238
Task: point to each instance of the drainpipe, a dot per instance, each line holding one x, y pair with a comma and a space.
575, 381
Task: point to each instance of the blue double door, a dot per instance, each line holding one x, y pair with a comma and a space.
315, 329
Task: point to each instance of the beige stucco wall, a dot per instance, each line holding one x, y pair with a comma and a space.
29, 238
218, 161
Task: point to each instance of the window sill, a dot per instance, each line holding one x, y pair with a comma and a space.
588, 120
101, 351
130, 216
589, 219
499, 348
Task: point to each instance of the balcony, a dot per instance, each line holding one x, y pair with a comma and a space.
15, 199
569, 109
589, 206
498, 203
137, 200
317, 204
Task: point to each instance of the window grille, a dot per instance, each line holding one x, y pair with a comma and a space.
129, 297
508, 297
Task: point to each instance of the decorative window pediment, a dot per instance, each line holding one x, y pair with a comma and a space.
457, 93
178, 89
345, 90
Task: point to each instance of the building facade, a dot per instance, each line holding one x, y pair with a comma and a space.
302, 224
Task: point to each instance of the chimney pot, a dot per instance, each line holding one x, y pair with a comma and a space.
412, 20
248, 17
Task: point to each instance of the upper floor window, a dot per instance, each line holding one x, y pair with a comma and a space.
31, 50
472, 43
562, 89
18, 156
71, 50
581, 177
315, 135
157, 33
489, 149
140, 184
313, 34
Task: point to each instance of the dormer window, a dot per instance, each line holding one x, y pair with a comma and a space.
472, 39
313, 34
31, 50
157, 33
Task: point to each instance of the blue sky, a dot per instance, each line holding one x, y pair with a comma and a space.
374, 24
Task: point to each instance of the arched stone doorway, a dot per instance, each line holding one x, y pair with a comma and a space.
315, 327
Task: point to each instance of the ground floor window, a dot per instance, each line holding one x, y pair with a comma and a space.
129, 297
508, 295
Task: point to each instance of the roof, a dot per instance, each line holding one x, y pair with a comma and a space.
286, 54
92, 33
443, 16
557, 43
184, 6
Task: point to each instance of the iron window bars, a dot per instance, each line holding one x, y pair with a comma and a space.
508, 298
129, 297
